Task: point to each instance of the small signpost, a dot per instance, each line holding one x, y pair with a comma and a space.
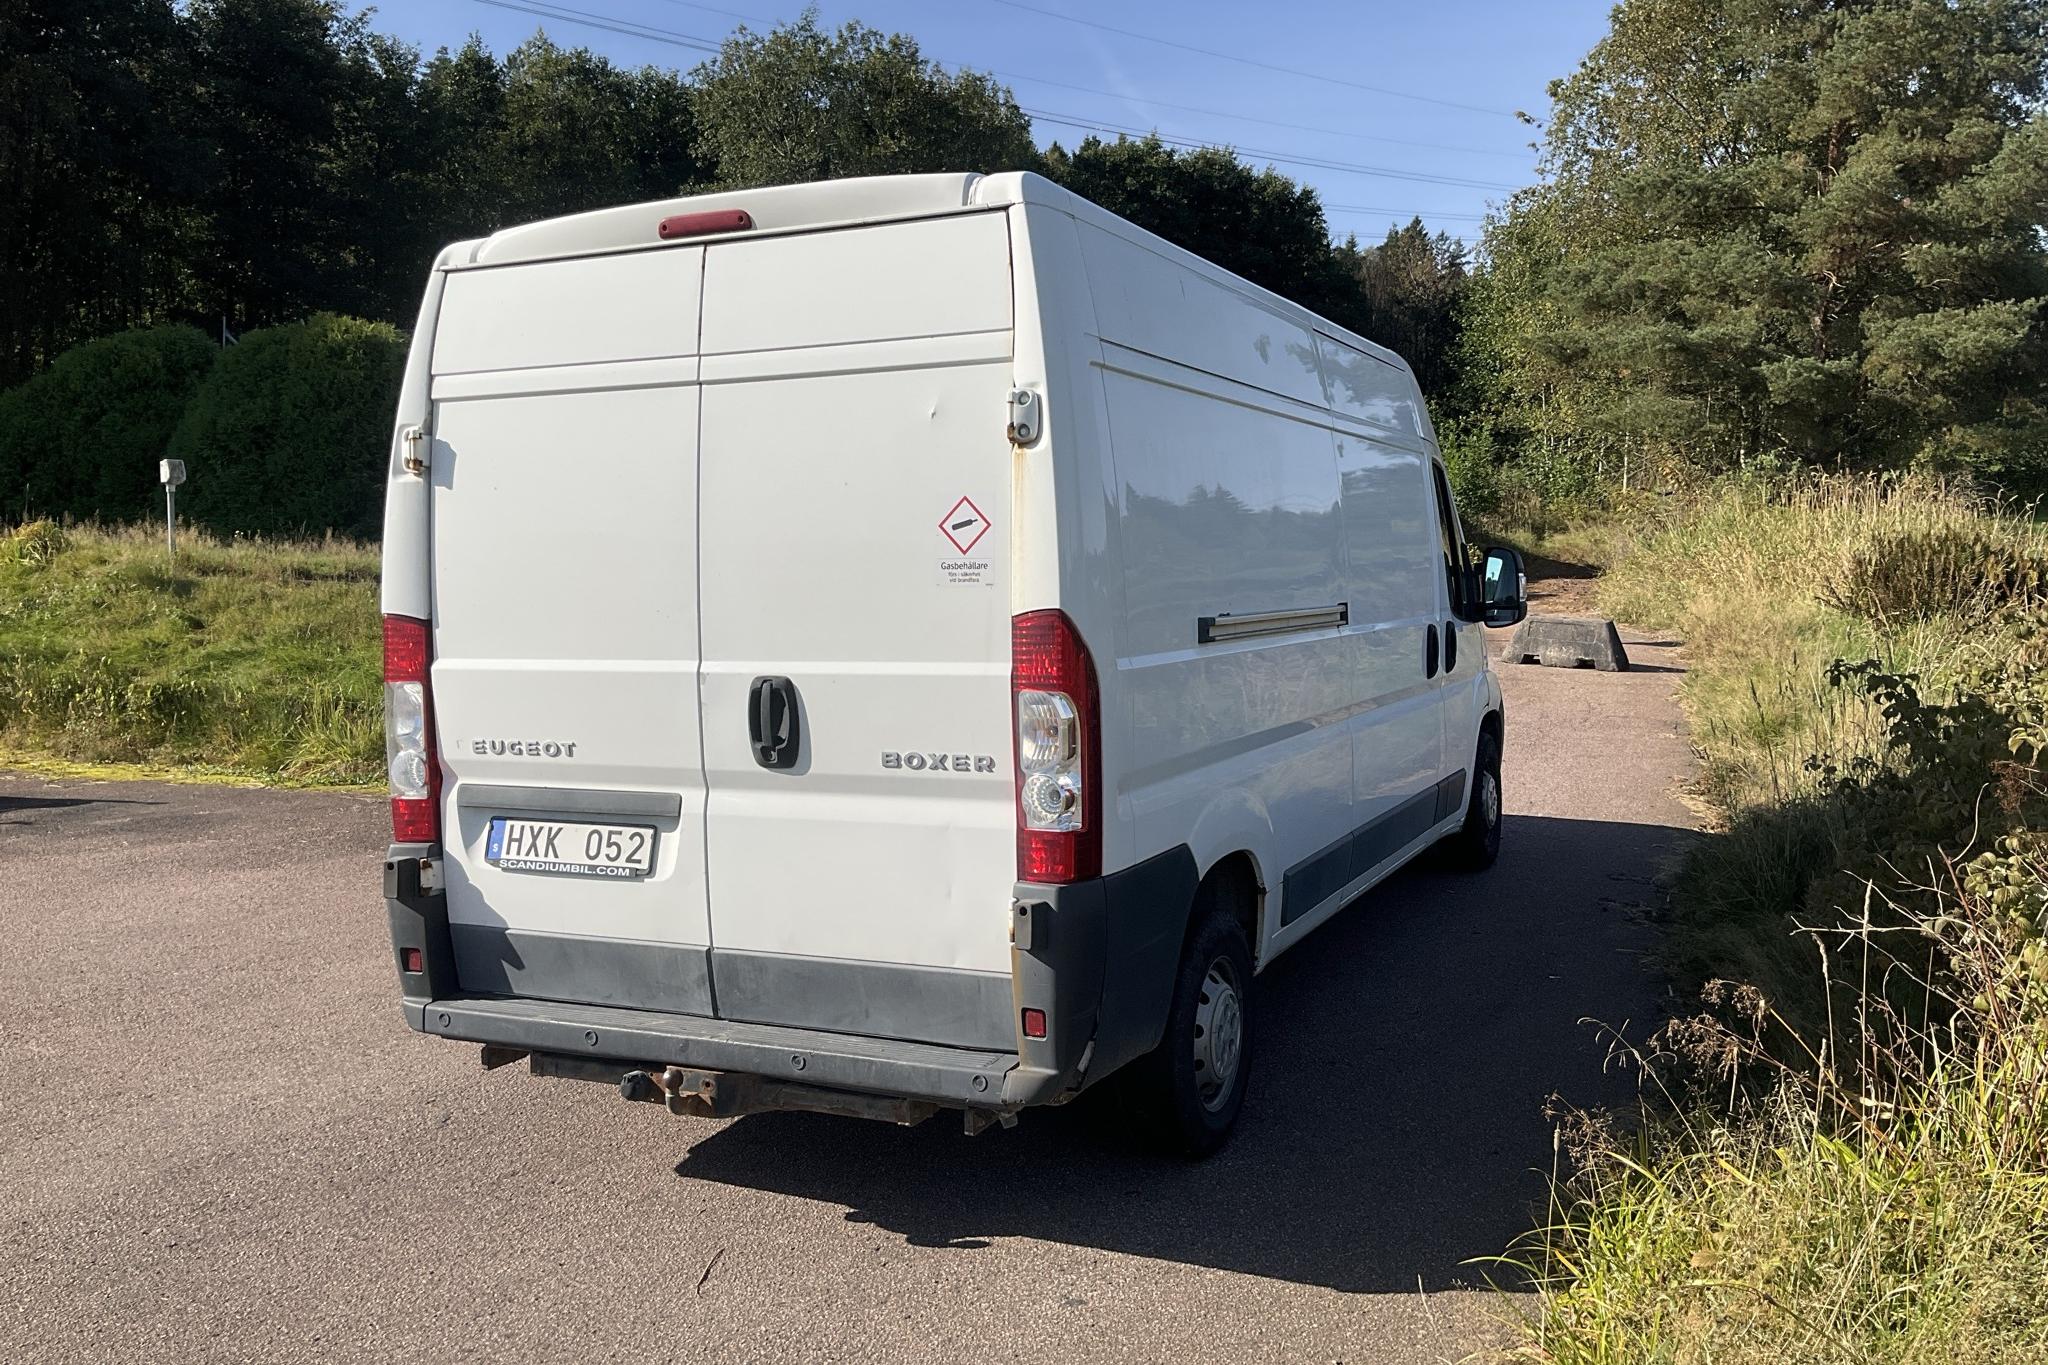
171, 473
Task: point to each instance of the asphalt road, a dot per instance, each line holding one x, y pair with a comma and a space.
219, 1143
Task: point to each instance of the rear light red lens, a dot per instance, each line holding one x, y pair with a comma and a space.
707, 221
409, 732
1034, 1023
405, 649
411, 960
415, 821
1047, 655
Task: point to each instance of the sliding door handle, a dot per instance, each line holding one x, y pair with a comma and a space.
1429, 652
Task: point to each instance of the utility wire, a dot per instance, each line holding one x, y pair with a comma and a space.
1253, 61
1403, 213
1167, 104
1355, 168
1248, 118
671, 37
625, 26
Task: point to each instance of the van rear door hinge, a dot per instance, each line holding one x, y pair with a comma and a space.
1025, 422
413, 447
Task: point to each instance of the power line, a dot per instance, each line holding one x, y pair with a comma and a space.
1166, 104
1247, 118
1253, 61
671, 37
1321, 163
1403, 213
628, 27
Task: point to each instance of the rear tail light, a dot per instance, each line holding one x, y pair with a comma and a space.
1034, 1023
409, 734
1059, 750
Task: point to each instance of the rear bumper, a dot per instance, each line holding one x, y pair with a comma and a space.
1097, 958
638, 1039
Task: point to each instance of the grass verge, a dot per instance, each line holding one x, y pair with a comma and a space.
1847, 1155
244, 660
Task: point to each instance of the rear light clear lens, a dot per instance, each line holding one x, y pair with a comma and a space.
1059, 756
1048, 731
405, 738
409, 733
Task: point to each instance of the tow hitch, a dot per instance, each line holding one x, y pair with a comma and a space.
726, 1094
717, 1094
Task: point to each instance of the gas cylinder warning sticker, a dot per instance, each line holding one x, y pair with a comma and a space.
963, 526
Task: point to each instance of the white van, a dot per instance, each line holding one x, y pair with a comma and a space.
905, 644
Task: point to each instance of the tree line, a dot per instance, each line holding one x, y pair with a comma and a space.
1767, 232
241, 163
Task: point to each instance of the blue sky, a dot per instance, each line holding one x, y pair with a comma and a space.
1449, 75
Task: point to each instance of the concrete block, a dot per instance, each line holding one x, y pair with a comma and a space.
1568, 642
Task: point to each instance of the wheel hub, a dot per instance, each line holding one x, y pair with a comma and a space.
1219, 1034
1489, 799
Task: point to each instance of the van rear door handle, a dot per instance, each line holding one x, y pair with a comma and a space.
1429, 652
1450, 646
772, 723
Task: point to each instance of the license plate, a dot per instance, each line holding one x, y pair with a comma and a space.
577, 850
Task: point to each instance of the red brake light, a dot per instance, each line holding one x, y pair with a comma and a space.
1057, 710
410, 760
1034, 1023
405, 649
707, 221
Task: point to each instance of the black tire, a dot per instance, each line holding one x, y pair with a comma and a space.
1174, 1087
1477, 843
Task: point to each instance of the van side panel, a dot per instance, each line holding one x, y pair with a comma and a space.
1369, 390
1241, 491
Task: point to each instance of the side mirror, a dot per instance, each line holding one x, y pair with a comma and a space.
1503, 588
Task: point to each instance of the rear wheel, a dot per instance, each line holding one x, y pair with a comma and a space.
1477, 842
1192, 1085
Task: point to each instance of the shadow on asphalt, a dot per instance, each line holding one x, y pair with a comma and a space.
1395, 1129
15, 805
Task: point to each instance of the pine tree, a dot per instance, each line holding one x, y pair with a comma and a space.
1809, 228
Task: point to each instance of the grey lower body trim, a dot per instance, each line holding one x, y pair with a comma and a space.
1099, 958
1450, 795
957, 1077
568, 801
1335, 866
876, 999
491, 960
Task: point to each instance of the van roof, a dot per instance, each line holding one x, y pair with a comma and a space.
843, 203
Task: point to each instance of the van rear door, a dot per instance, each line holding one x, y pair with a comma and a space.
854, 561
564, 554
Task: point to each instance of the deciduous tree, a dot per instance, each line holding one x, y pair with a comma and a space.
798, 104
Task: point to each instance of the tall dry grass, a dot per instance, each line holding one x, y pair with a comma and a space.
1845, 1156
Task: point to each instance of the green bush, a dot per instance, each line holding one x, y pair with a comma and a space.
290, 431
1473, 464
82, 439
